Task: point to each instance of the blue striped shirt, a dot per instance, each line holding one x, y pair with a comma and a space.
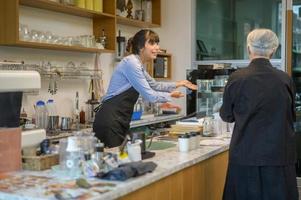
130, 73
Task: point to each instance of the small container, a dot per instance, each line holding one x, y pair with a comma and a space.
82, 116
184, 144
198, 139
191, 141
194, 140
134, 150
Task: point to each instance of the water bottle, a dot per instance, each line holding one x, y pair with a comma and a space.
51, 108
74, 157
41, 115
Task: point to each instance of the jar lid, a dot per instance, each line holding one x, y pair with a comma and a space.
40, 103
184, 136
193, 134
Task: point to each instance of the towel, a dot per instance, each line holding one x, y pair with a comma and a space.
128, 170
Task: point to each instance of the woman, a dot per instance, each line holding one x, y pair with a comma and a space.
112, 121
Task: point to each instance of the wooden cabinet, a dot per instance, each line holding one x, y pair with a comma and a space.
204, 180
9, 23
156, 18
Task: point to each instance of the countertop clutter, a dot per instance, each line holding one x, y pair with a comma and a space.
48, 185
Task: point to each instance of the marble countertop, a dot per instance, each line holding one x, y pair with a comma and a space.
169, 161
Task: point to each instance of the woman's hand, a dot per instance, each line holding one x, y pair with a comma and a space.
176, 94
187, 84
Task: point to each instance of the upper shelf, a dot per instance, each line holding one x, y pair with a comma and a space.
136, 23
61, 47
58, 7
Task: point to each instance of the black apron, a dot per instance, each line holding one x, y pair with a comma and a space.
112, 121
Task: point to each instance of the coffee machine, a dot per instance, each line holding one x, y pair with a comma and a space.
211, 80
16, 82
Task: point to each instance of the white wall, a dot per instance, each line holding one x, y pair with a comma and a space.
175, 36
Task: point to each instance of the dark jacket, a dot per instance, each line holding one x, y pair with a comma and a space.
260, 100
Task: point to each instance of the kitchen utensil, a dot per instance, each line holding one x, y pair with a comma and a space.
53, 122
66, 123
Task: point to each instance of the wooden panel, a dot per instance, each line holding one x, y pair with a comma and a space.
288, 44
109, 26
156, 14
215, 169
59, 47
9, 21
204, 181
109, 6
62, 8
198, 181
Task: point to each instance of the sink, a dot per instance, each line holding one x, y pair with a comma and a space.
159, 145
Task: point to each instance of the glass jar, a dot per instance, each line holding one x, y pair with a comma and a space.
148, 11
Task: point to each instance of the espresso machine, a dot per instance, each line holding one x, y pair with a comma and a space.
211, 80
16, 82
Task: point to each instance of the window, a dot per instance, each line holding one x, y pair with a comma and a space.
223, 25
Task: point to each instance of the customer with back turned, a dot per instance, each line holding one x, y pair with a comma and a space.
260, 100
112, 121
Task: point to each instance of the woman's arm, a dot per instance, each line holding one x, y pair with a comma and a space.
159, 86
133, 71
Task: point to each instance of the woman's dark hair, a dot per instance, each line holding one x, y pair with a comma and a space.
136, 43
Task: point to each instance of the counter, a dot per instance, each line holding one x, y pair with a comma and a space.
198, 174
155, 119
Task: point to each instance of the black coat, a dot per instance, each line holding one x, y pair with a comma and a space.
260, 100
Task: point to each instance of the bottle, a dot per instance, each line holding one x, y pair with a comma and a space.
51, 108
82, 118
76, 111
73, 157
121, 45
103, 39
98, 5
148, 11
23, 113
41, 115
99, 154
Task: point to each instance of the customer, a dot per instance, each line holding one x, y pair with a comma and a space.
260, 100
130, 79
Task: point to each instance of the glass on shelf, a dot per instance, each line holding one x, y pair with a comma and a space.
24, 33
